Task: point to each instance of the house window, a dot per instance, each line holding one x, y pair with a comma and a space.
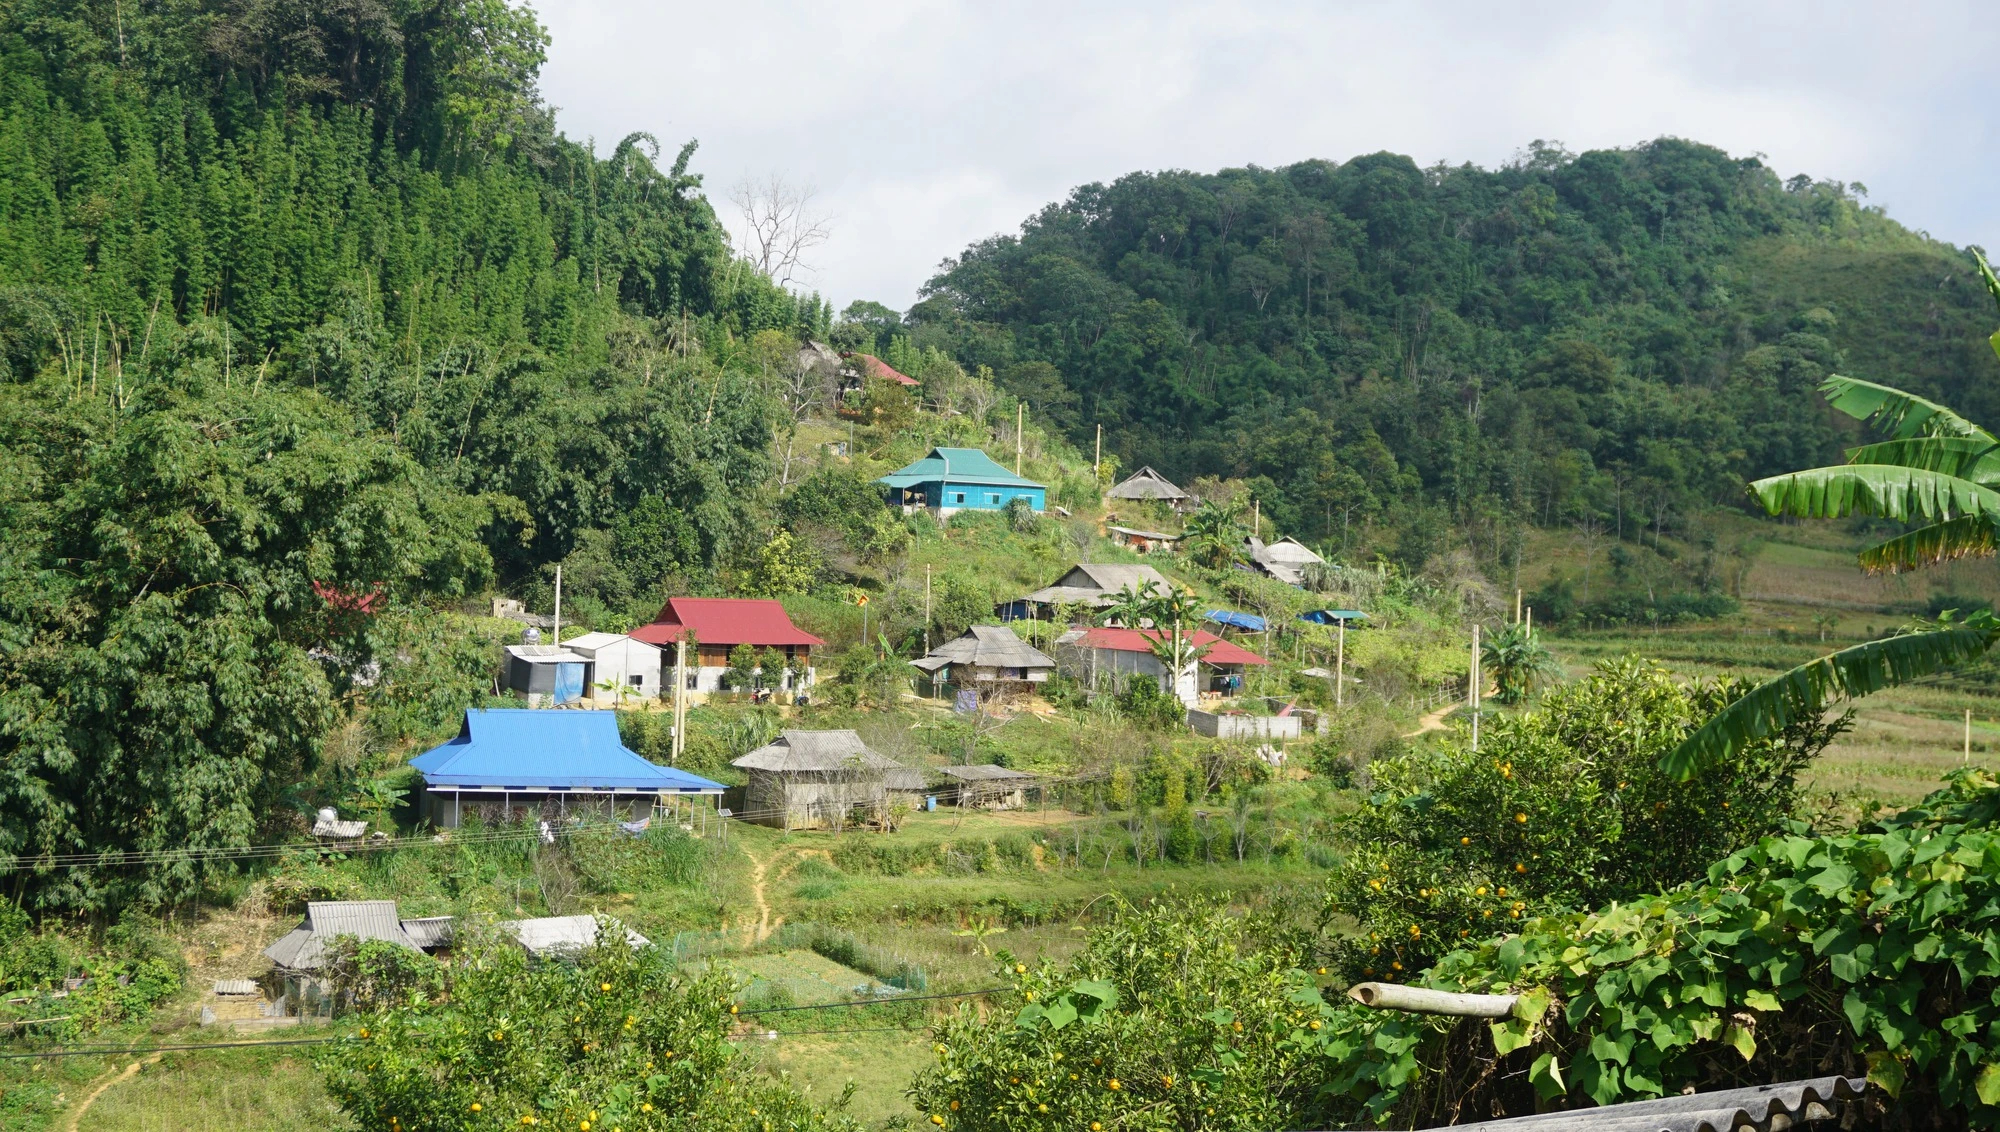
958, 497
992, 497
636, 681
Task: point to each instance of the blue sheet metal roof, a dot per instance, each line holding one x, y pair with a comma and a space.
1330, 616
955, 465
526, 748
1246, 621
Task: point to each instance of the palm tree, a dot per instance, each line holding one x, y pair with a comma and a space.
1213, 537
1173, 615
1936, 470
1517, 661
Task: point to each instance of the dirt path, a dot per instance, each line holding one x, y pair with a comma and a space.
90, 1098
763, 928
1432, 722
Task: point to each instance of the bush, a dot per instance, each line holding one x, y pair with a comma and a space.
1561, 808
1188, 1009
1150, 707
618, 1038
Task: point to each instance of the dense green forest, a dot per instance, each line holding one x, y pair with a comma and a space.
1619, 336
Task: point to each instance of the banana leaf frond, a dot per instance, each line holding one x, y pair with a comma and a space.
1963, 537
1902, 415
1993, 289
1882, 490
1807, 690
1967, 457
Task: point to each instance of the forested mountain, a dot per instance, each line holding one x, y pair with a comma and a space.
1624, 334
310, 320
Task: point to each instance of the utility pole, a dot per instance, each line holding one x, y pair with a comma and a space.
1256, 518
927, 608
1097, 459
1020, 419
680, 698
1517, 605
1473, 694
1968, 737
1340, 665
558, 629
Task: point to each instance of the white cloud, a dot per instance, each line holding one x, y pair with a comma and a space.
929, 126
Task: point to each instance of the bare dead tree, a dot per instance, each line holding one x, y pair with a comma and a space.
780, 226
801, 387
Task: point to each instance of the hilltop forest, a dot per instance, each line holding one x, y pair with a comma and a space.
1618, 336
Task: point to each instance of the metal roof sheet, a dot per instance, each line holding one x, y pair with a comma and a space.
725, 621
1146, 484
233, 987
1098, 582
955, 465
431, 931
1141, 640
527, 747
304, 947
983, 773
549, 935
1760, 1106
1246, 621
816, 751
989, 646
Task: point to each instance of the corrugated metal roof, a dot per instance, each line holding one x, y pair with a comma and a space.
498, 748
1098, 582
545, 654
955, 465
591, 642
431, 932
1146, 484
324, 827
1247, 621
726, 621
304, 947
990, 646
1760, 1107
235, 987
816, 752
549, 935
983, 773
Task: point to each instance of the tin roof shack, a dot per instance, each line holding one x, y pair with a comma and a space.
1144, 542
566, 937
518, 764
622, 670
988, 659
815, 780
547, 671
720, 624
1286, 559
299, 958
950, 480
1104, 658
1093, 585
988, 787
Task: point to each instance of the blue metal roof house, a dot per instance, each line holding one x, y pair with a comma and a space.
960, 479
523, 764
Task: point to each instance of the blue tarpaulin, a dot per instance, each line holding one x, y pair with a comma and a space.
1248, 622
1333, 616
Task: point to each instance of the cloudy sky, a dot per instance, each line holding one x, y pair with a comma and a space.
927, 126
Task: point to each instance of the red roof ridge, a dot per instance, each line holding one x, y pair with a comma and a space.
725, 621
1139, 640
876, 367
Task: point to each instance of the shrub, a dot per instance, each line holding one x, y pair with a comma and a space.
1188, 1009
303, 876
1561, 808
618, 1039
1149, 706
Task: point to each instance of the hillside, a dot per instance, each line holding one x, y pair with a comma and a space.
1446, 353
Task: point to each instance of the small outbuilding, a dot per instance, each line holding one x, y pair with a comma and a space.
523, 764
565, 937
988, 659
1287, 559
1092, 585
717, 626
622, 668
547, 672
815, 779
1144, 542
987, 787
1105, 657
298, 958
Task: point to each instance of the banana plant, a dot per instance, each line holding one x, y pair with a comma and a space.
1934, 470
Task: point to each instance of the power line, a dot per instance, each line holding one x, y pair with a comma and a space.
879, 1002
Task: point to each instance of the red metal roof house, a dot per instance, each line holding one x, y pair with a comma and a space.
719, 624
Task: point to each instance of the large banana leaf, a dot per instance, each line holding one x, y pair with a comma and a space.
1939, 542
1993, 289
1967, 457
1807, 690
1882, 490
1902, 415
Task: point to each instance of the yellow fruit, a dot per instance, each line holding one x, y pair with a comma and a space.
1519, 867
1041, 1108
1521, 819
475, 1106
732, 1008
604, 986
1020, 968
1465, 841
954, 1106
1313, 1025
1503, 890
364, 1033
936, 1119
1322, 970
647, 1107
1238, 1026
1397, 964
583, 1126
1113, 1085
1480, 891
1096, 1127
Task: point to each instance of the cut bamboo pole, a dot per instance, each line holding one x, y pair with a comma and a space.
1417, 1000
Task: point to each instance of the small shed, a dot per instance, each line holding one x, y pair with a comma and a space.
987, 787
299, 956
1287, 559
560, 937
989, 659
523, 764
1146, 484
815, 779
630, 667
1145, 542
547, 671
1093, 585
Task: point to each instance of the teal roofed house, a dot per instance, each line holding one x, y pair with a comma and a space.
960, 479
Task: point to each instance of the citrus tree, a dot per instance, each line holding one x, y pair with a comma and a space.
1563, 807
613, 1039
1934, 471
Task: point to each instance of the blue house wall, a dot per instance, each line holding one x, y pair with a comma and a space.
982, 496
